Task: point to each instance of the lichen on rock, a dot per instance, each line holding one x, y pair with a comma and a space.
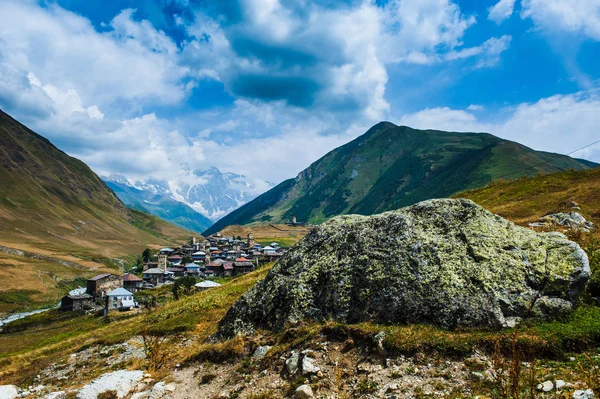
446, 262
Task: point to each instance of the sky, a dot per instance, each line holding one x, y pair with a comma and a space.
157, 88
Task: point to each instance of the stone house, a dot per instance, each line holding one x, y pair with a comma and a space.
76, 302
99, 285
242, 267
132, 283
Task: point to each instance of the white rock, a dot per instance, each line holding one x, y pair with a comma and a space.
304, 392
158, 391
292, 363
581, 394
56, 395
171, 387
122, 382
559, 384
308, 367
545, 386
8, 391
140, 395
260, 352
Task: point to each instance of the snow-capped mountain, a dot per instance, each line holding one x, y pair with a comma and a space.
209, 192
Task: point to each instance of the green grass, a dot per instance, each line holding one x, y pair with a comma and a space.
39, 340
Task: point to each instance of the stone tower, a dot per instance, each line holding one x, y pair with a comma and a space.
162, 262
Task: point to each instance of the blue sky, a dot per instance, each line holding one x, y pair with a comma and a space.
265, 87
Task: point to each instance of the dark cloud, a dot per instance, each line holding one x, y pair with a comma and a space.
296, 90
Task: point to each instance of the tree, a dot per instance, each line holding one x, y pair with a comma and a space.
183, 286
186, 259
148, 254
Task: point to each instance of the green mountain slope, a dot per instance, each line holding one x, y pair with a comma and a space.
55, 209
162, 206
393, 166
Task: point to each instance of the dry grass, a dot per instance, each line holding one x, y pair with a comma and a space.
267, 233
24, 353
527, 199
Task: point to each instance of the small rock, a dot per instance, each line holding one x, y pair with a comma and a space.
308, 367
480, 376
304, 392
559, 384
260, 352
379, 337
158, 391
572, 359
122, 381
140, 395
581, 394
292, 363
8, 391
545, 386
171, 387
56, 395
392, 388
141, 387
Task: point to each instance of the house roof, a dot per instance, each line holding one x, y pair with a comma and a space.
175, 257
131, 277
191, 265
241, 260
119, 292
81, 296
199, 253
154, 270
243, 264
100, 276
176, 269
227, 266
268, 248
167, 250
207, 284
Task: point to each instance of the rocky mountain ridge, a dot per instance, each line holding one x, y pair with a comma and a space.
392, 166
209, 192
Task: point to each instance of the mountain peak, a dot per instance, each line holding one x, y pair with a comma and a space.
392, 166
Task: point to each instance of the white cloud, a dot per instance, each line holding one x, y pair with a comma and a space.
423, 25
580, 17
476, 107
501, 11
132, 62
560, 123
70, 82
488, 53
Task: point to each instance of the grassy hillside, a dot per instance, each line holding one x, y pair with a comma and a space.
164, 207
393, 166
267, 233
525, 200
55, 206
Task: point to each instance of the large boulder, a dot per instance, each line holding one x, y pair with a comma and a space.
446, 262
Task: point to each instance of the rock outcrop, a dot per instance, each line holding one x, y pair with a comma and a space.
445, 262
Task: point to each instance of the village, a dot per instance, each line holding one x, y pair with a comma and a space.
203, 260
